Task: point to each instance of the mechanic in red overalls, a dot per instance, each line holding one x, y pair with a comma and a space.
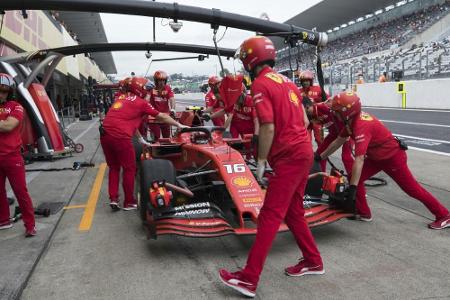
313, 92
162, 99
210, 100
283, 142
376, 149
11, 161
242, 117
322, 114
120, 125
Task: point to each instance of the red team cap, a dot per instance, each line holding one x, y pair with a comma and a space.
306, 75
256, 50
137, 86
213, 80
6, 80
160, 75
346, 104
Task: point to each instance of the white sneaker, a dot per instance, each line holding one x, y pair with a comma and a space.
130, 207
6, 225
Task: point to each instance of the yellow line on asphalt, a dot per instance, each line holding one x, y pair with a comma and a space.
74, 206
89, 211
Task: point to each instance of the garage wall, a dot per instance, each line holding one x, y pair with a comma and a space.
423, 94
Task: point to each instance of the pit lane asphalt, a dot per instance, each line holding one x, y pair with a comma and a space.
394, 257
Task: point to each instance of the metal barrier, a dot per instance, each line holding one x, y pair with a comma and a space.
67, 116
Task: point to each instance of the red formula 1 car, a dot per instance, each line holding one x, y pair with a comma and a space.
198, 184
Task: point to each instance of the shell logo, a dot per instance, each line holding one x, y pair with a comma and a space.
242, 181
293, 98
117, 105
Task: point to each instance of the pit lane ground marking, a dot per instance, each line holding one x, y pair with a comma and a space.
421, 139
74, 206
415, 123
407, 109
89, 211
429, 151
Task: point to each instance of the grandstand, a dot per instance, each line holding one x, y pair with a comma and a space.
406, 39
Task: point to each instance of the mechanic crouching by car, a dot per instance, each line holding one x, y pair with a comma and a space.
283, 142
321, 113
376, 149
162, 99
210, 100
119, 126
11, 162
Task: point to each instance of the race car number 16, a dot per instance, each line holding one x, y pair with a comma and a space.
236, 168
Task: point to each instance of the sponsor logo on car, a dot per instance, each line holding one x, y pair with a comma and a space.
191, 206
242, 181
252, 199
193, 212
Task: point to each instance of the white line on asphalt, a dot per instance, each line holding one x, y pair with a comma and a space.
85, 131
429, 151
415, 123
421, 139
407, 109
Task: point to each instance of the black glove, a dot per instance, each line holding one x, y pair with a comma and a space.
317, 157
255, 138
206, 117
351, 193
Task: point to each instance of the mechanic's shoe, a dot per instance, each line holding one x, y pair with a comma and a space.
6, 225
304, 268
365, 218
30, 232
114, 204
440, 223
130, 207
362, 218
236, 281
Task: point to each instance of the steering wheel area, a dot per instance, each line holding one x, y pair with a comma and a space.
201, 135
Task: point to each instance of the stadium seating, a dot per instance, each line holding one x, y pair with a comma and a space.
378, 49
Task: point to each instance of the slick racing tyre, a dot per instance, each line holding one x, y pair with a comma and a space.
150, 171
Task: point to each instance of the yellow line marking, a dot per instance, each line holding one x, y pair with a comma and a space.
89, 211
74, 206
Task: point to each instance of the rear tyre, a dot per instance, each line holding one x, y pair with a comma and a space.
150, 171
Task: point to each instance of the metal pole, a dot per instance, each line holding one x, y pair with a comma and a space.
171, 10
38, 69
154, 28
420, 66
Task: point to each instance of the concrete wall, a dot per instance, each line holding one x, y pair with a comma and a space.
424, 94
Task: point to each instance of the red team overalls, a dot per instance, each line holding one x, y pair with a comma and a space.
278, 101
120, 125
243, 118
12, 167
160, 101
323, 114
315, 94
210, 101
383, 153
